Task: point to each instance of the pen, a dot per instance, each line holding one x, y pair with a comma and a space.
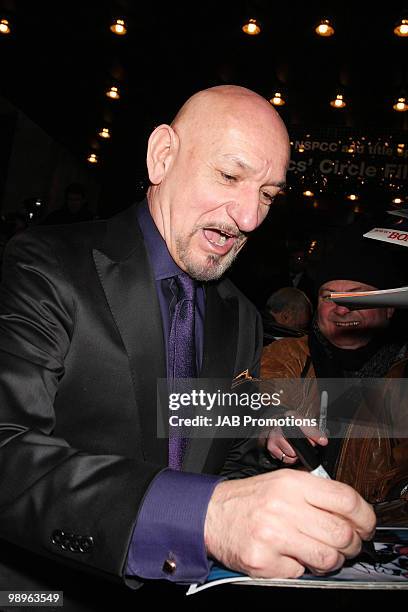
309, 457
304, 450
324, 402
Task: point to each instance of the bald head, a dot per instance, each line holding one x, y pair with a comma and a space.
291, 307
215, 172
225, 100
218, 107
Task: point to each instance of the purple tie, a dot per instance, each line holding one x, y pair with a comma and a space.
182, 356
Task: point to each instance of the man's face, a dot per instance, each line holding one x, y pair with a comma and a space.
218, 189
349, 329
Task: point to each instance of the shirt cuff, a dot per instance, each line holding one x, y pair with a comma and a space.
170, 528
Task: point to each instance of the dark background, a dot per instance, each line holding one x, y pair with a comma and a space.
61, 57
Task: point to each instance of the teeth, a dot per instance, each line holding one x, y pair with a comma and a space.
347, 323
222, 240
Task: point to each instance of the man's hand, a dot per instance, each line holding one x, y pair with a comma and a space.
280, 447
277, 524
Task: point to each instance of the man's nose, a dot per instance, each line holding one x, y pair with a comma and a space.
341, 310
245, 211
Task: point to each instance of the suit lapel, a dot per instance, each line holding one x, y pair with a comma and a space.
129, 287
220, 347
220, 335
130, 291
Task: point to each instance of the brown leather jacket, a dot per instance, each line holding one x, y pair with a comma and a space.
377, 467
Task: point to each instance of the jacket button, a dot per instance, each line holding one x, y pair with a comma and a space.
57, 536
65, 541
85, 544
74, 545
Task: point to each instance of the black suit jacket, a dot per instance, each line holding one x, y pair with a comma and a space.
81, 348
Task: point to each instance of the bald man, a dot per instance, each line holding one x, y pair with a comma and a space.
89, 491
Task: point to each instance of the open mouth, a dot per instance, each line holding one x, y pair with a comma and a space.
221, 240
347, 323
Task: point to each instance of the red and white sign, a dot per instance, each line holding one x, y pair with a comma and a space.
389, 235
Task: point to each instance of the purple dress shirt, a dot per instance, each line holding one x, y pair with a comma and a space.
170, 523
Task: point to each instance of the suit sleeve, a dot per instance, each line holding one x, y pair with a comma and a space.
55, 500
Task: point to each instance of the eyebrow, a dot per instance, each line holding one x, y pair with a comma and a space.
342, 291
245, 166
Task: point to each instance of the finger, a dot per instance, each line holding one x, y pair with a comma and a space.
311, 432
280, 567
280, 534
341, 499
288, 449
323, 441
317, 556
289, 460
332, 530
277, 453
280, 445
318, 572
314, 433
281, 451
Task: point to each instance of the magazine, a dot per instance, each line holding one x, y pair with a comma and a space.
388, 570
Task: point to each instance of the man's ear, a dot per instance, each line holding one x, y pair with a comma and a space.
162, 147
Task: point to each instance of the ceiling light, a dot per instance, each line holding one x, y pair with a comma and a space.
352, 196
104, 133
338, 102
277, 99
4, 26
401, 29
118, 27
401, 105
113, 93
324, 28
308, 193
397, 201
92, 158
252, 27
